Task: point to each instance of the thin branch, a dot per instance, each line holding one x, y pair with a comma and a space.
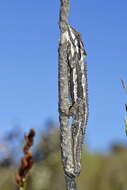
73, 97
64, 11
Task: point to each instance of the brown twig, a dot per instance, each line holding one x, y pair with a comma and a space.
26, 160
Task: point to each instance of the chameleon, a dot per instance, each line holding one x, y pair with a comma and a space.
78, 93
77, 107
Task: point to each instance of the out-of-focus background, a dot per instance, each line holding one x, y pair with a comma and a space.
29, 37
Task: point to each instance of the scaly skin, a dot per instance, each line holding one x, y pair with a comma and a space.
73, 97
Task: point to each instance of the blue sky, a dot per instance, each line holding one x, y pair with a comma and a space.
29, 37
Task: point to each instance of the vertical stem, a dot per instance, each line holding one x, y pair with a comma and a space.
70, 183
73, 103
66, 146
64, 11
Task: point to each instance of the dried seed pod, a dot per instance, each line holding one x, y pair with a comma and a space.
26, 160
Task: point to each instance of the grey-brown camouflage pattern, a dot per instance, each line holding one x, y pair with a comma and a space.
73, 97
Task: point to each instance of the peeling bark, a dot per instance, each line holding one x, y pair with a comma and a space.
73, 103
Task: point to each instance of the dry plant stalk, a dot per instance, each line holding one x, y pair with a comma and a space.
123, 85
125, 118
26, 161
73, 97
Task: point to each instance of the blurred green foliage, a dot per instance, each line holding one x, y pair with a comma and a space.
99, 171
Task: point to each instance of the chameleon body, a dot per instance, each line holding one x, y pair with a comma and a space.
77, 100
